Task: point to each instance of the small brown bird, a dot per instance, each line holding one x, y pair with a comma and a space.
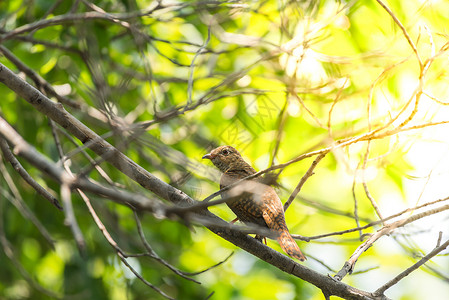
256, 202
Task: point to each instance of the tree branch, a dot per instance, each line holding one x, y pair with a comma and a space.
386, 230
57, 113
405, 273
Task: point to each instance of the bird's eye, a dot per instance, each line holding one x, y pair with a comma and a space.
225, 152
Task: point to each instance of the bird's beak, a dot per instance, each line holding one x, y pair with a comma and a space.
207, 156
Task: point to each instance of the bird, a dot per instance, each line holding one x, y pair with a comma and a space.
255, 202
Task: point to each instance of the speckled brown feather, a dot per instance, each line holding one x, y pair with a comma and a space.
263, 207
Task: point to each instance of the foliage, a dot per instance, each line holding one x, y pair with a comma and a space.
164, 82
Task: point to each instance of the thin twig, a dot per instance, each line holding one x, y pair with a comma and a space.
303, 180
125, 262
26, 176
404, 31
356, 204
440, 236
28, 215
81, 149
309, 238
365, 185
386, 230
331, 209
191, 70
121, 254
70, 18
66, 196
40, 82
402, 275
99, 223
336, 99
308, 110
283, 115
70, 219
154, 255
211, 267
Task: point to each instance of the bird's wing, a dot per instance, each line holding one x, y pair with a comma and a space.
273, 211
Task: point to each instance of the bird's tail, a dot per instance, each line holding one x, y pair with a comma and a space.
289, 245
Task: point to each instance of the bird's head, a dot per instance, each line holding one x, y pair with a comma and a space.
224, 157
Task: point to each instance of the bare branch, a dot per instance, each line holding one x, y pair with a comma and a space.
22, 148
22, 172
154, 255
76, 17
365, 185
283, 116
70, 219
303, 180
121, 254
386, 230
28, 214
192, 68
334, 102
39, 81
356, 202
372, 223
211, 267
409, 270
125, 262
404, 31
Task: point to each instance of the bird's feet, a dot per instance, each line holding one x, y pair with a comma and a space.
260, 238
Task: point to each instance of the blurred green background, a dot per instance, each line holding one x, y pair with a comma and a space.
275, 79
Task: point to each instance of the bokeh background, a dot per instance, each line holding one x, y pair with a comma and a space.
167, 81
